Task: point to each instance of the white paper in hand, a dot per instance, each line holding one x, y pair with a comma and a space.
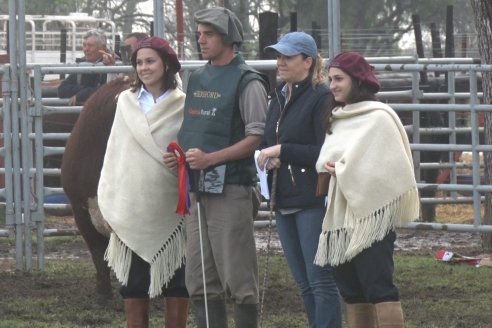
262, 175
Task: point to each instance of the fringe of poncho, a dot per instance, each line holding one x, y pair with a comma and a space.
164, 264
341, 245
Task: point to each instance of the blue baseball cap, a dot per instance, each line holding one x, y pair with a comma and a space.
295, 43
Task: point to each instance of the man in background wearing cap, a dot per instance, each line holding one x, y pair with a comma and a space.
129, 45
224, 119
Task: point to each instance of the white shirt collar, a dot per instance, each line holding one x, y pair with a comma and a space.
146, 99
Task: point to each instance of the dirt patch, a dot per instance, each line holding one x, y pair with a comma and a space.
408, 240
428, 242
420, 242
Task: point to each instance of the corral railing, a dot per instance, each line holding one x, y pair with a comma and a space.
43, 34
25, 143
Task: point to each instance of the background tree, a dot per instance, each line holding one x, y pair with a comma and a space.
482, 10
247, 12
43, 7
122, 12
374, 27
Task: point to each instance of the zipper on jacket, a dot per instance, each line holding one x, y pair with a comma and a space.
291, 175
282, 110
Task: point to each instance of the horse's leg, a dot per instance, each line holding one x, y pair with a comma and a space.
97, 244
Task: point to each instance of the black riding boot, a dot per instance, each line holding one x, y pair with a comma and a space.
217, 316
246, 315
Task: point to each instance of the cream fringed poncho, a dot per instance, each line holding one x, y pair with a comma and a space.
374, 189
138, 194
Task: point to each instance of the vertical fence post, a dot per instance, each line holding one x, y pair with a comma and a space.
268, 35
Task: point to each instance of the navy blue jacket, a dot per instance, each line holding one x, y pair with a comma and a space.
81, 85
301, 134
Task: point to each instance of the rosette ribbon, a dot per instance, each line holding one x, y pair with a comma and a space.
183, 206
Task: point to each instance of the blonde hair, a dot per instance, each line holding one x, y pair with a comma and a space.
318, 70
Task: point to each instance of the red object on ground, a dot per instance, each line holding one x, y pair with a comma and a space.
450, 257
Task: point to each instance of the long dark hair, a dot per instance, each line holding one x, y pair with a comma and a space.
169, 78
358, 92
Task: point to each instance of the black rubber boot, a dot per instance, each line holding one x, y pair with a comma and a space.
246, 315
217, 316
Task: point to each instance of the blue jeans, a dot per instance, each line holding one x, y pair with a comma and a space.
299, 234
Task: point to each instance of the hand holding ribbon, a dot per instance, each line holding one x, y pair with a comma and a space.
183, 180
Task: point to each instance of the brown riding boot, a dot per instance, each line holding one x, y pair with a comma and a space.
176, 312
137, 312
360, 315
389, 315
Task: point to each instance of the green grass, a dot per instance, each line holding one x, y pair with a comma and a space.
436, 294
433, 294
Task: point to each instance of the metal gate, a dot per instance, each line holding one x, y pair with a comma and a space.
24, 141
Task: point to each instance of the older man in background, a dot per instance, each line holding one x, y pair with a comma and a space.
79, 87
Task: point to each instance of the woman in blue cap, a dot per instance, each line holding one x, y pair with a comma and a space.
294, 134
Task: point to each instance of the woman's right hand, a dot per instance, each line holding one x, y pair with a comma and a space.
269, 158
170, 160
273, 163
330, 168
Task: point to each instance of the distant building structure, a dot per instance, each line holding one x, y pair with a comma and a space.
44, 33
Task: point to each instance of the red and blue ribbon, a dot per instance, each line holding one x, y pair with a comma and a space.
183, 179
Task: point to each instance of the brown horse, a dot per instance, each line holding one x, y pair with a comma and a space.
80, 171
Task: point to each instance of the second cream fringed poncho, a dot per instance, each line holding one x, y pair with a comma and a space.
374, 189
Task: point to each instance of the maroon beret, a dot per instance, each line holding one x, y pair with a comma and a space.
161, 46
355, 65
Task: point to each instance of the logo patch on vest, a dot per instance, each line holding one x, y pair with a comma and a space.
202, 112
207, 94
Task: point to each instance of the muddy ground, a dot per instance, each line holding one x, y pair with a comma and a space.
408, 241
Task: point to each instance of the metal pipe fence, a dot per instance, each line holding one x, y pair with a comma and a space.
24, 148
